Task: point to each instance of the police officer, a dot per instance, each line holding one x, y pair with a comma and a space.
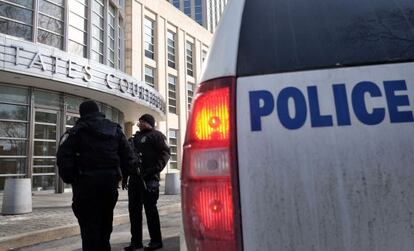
93, 156
154, 153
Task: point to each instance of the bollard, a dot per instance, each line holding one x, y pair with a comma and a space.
17, 196
172, 183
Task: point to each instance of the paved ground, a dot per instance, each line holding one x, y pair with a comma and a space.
120, 236
52, 218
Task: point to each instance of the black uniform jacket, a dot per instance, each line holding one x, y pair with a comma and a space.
94, 145
154, 152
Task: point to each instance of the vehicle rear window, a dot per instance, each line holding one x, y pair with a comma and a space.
292, 35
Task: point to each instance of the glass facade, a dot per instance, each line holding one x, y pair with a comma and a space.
176, 3
187, 7
16, 18
14, 132
82, 35
198, 11
205, 12
31, 122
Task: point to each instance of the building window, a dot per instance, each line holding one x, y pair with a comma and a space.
189, 57
150, 76
101, 21
216, 14
107, 110
45, 143
190, 94
187, 7
78, 22
14, 129
122, 3
176, 3
171, 49
149, 38
203, 55
172, 94
121, 44
97, 48
73, 103
17, 19
111, 35
210, 10
50, 22
198, 8
173, 141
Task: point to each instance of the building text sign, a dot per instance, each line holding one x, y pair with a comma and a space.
24, 57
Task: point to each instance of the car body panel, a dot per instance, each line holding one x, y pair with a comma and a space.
348, 187
221, 60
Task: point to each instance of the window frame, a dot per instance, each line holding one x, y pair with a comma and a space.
171, 49
64, 35
100, 53
173, 147
172, 101
190, 94
26, 139
70, 40
149, 34
189, 58
109, 61
148, 77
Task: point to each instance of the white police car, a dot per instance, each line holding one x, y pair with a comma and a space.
301, 136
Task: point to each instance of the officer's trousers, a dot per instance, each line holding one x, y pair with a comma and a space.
94, 199
138, 197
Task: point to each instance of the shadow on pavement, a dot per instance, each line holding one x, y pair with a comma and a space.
170, 244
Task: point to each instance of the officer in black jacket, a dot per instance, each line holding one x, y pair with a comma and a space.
93, 156
152, 150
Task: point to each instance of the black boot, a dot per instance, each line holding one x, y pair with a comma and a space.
133, 247
153, 246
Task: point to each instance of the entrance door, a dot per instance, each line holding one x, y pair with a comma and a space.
44, 149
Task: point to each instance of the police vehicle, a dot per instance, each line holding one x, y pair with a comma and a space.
301, 136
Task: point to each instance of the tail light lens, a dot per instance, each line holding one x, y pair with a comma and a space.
209, 176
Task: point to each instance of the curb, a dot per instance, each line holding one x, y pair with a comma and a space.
35, 237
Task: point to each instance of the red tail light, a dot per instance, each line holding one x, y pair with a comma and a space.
209, 176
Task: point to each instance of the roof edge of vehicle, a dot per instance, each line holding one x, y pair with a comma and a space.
225, 44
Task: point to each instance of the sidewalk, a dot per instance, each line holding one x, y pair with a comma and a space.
52, 218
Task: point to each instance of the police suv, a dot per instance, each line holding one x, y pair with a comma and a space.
301, 136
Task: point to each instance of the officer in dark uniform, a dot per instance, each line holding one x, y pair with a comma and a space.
93, 156
152, 150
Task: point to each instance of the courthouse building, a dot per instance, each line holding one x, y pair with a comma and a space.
132, 56
166, 48
53, 55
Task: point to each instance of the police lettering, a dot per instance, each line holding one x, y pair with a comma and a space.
262, 104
